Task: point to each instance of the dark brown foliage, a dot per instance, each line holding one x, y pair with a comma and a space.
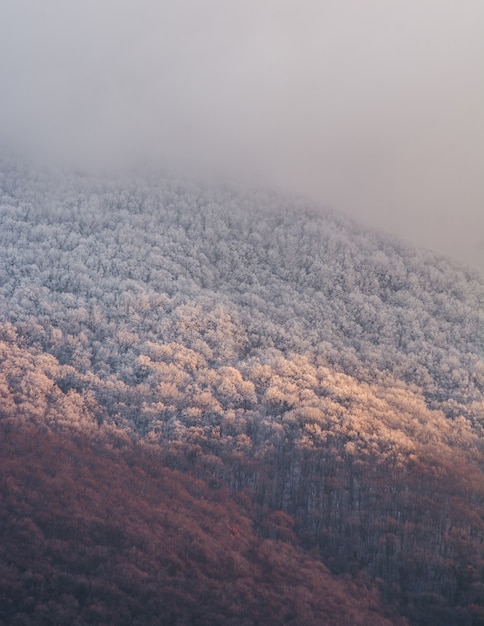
98, 532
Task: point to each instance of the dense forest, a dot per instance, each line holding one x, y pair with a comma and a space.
302, 399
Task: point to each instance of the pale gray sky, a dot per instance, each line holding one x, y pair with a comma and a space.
374, 107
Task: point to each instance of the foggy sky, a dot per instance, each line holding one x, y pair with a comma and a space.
372, 107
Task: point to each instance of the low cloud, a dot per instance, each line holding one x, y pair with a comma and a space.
373, 108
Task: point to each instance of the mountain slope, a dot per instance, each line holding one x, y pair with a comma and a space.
100, 531
112, 259
332, 374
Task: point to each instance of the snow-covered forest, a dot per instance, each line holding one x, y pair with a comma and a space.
278, 349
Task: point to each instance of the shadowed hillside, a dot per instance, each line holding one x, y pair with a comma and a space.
101, 532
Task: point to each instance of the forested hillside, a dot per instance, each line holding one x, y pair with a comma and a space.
98, 531
329, 376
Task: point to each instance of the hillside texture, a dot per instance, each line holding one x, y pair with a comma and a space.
331, 376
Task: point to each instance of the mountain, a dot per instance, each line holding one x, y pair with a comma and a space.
322, 384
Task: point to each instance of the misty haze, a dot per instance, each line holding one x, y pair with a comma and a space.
241, 313
371, 108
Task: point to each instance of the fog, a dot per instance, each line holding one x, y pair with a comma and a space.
374, 108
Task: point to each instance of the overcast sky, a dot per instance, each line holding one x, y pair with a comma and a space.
374, 107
